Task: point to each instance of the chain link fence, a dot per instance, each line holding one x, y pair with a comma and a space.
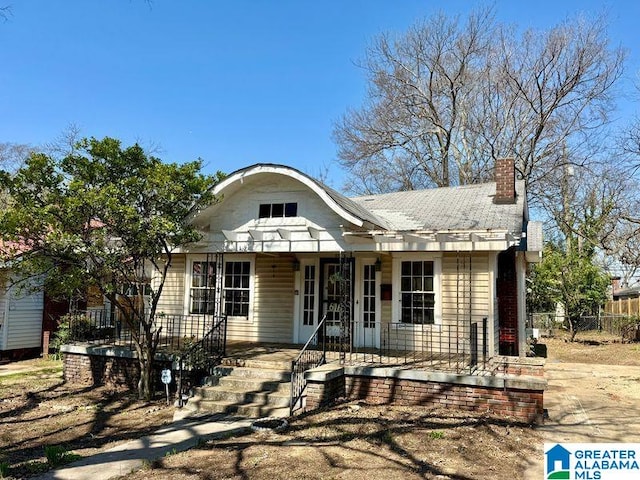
625, 326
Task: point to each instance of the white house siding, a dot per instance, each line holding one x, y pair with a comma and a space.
2, 315
23, 320
172, 298
465, 298
465, 294
273, 303
238, 213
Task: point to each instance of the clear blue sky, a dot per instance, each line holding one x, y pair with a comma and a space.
234, 82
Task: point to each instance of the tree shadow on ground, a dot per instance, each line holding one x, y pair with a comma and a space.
382, 444
51, 412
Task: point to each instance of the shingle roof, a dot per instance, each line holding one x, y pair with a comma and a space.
467, 207
463, 208
355, 208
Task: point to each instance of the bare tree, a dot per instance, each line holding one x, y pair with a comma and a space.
412, 131
13, 155
447, 98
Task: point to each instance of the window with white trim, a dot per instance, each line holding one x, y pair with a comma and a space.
309, 295
417, 292
369, 296
203, 283
237, 277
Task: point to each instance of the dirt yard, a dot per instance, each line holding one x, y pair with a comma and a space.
592, 348
594, 382
594, 389
364, 443
38, 410
369, 443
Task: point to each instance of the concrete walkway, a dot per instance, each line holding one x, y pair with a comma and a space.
589, 403
176, 437
26, 366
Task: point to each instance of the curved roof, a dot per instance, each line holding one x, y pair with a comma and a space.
341, 205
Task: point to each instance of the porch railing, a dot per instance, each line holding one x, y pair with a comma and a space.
195, 363
312, 355
454, 347
176, 332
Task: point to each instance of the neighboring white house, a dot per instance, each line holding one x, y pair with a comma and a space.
21, 312
427, 269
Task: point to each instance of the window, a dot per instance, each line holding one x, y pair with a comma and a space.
417, 294
203, 283
236, 288
369, 296
278, 210
309, 295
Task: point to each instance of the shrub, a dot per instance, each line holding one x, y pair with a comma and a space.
61, 337
58, 455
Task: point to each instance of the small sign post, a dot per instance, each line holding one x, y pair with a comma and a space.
166, 379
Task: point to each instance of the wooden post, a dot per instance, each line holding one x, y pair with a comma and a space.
45, 344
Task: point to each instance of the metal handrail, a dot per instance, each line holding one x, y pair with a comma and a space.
203, 355
303, 362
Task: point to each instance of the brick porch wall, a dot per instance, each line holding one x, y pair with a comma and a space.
104, 366
523, 405
519, 397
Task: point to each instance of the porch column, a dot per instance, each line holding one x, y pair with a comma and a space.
492, 318
521, 273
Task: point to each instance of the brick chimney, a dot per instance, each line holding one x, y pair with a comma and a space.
505, 175
615, 284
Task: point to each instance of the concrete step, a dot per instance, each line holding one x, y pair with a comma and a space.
249, 384
255, 390
278, 398
251, 410
253, 372
284, 365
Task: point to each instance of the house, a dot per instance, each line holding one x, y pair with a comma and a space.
420, 295
21, 314
21, 309
423, 266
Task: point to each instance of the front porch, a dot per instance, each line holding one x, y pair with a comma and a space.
368, 361
458, 349
260, 379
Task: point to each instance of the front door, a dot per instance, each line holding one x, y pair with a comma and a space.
326, 289
331, 300
337, 301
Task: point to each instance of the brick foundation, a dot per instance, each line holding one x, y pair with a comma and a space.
518, 397
104, 366
326, 388
528, 366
